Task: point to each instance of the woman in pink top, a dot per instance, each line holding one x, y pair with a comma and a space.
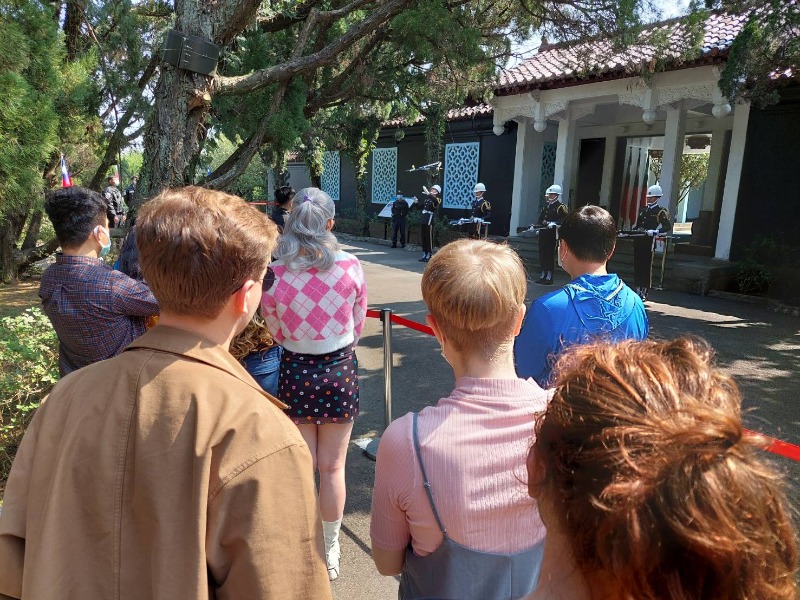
477, 535
316, 311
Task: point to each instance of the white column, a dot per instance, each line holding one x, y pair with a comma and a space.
608, 171
730, 195
565, 153
714, 165
527, 168
674, 134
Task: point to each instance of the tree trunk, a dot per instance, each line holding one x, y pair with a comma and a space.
181, 104
32, 235
9, 234
174, 133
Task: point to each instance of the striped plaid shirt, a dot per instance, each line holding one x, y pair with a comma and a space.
95, 310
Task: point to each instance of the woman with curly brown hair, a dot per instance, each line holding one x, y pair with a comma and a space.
649, 486
258, 351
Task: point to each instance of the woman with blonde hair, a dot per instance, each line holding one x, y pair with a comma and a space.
316, 311
450, 511
649, 486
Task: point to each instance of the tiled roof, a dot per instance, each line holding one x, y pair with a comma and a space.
463, 113
564, 64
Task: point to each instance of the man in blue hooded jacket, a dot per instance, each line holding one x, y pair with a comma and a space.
594, 305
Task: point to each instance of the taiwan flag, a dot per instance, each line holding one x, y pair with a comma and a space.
66, 180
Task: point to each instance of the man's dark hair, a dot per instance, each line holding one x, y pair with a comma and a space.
590, 233
284, 194
74, 212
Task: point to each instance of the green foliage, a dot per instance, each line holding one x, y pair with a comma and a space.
252, 184
762, 257
767, 47
753, 278
29, 81
28, 370
131, 165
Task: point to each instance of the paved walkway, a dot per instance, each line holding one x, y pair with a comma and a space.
759, 348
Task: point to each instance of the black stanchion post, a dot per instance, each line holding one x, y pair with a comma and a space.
386, 318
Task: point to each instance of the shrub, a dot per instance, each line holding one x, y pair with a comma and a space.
28, 370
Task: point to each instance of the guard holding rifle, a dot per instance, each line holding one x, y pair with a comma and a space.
550, 218
431, 200
481, 210
653, 219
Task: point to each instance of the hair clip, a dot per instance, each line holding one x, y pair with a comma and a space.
306, 198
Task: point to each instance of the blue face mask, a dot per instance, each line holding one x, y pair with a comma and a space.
104, 248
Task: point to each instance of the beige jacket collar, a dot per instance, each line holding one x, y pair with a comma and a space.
163, 338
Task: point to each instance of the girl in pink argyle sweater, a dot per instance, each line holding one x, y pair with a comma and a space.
316, 311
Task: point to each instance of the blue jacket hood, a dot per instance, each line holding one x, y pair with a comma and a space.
600, 302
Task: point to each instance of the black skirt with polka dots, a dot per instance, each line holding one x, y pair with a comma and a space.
320, 388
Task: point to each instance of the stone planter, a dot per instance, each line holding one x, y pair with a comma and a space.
378, 230
351, 226
445, 237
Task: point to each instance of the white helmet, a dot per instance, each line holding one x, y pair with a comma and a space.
479, 187
553, 189
437, 188
655, 190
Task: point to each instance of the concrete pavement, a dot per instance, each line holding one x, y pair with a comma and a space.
760, 349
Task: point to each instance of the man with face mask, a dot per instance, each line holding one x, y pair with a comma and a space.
95, 310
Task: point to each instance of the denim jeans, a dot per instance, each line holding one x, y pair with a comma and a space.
263, 366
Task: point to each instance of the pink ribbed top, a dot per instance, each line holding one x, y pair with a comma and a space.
474, 445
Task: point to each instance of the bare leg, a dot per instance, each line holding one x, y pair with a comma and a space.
332, 442
309, 433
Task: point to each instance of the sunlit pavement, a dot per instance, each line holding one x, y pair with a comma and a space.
759, 348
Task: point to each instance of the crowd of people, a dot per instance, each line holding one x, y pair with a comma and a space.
204, 456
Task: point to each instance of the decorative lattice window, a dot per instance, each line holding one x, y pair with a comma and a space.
460, 174
384, 175
548, 169
331, 174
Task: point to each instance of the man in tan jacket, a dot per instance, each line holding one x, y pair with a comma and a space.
165, 472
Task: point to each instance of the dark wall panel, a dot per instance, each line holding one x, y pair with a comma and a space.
590, 171
347, 183
769, 200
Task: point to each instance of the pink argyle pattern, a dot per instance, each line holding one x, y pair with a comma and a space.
317, 305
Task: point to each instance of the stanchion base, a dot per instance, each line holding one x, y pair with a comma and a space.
369, 446
372, 449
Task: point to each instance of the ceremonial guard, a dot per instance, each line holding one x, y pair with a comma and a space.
550, 218
399, 217
653, 219
481, 210
431, 200
117, 208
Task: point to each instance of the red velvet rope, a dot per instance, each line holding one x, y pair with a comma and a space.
775, 446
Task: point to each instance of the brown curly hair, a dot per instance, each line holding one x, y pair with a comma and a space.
654, 481
255, 338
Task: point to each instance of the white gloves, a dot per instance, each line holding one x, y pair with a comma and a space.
652, 232
552, 225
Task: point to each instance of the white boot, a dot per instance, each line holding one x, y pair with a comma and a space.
330, 531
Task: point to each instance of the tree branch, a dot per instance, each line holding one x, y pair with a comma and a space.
258, 79
237, 162
283, 21
337, 84
25, 258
